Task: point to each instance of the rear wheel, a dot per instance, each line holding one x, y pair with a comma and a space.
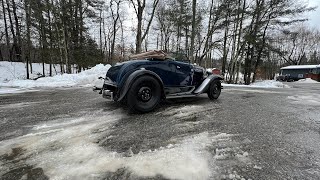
144, 94
214, 90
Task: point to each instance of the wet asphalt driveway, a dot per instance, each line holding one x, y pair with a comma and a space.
248, 133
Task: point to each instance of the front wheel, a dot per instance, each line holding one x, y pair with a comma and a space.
144, 94
214, 90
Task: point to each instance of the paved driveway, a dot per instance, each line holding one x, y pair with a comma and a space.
248, 133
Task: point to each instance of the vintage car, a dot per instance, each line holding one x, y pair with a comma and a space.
150, 77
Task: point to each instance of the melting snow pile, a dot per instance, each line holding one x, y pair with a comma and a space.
270, 84
85, 78
308, 80
262, 84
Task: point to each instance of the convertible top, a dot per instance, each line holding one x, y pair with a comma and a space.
154, 54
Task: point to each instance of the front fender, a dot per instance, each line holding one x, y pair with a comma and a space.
132, 77
206, 83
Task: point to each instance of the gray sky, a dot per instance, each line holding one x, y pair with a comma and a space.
314, 17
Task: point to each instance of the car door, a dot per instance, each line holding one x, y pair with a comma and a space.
183, 73
165, 70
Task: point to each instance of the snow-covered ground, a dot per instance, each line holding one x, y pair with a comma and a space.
72, 144
17, 70
9, 90
308, 80
13, 79
306, 99
13, 75
261, 84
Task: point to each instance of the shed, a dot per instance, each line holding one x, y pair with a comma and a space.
297, 72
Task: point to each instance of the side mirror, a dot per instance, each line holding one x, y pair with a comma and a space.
100, 77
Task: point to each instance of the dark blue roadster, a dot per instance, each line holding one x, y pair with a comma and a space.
143, 83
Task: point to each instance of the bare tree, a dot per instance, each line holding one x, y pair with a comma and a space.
139, 7
115, 14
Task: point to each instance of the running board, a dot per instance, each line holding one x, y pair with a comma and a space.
181, 96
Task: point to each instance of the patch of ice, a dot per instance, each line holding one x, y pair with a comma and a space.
20, 105
9, 90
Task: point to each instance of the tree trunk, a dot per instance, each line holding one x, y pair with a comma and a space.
193, 30
12, 31
139, 30
50, 36
225, 51
115, 18
139, 8
28, 23
6, 27
18, 40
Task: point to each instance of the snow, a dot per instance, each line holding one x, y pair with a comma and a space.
306, 99
261, 84
301, 67
308, 81
71, 144
84, 78
9, 90
185, 111
17, 70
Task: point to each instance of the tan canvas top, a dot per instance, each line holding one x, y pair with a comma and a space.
154, 54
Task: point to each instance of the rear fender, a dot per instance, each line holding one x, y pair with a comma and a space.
206, 83
132, 77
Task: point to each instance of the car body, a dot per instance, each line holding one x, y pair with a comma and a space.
141, 84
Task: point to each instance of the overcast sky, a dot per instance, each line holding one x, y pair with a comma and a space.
314, 17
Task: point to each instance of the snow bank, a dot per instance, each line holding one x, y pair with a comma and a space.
17, 70
270, 84
308, 80
85, 78
261, 84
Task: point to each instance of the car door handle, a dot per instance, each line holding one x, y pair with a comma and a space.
178, 67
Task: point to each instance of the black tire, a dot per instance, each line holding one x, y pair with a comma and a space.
214, 90
144, 94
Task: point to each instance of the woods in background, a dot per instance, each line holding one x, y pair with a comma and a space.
251, 37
